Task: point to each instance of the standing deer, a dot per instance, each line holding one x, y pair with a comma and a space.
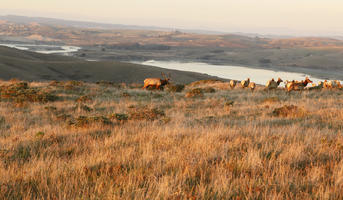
156, 82
252, 86
233, 84
245, 83
272, 84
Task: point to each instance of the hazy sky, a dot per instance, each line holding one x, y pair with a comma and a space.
311, 17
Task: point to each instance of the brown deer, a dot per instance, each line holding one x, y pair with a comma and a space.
252, 86
233, 84
272, 84
156, 82
245, 83
296, 85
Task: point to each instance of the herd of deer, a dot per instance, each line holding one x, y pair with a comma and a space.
271, 84
289, 85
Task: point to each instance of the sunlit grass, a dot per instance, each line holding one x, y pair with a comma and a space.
105, 142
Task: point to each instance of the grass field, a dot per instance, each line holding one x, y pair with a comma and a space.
74, 140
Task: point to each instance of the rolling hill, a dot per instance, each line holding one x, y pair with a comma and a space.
27, 65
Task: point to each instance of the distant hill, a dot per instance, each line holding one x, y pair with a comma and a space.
25, 65
86, 24
78, 33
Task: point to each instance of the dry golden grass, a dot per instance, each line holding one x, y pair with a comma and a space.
161, 145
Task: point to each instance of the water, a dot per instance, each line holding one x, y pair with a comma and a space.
45, 49
259, 76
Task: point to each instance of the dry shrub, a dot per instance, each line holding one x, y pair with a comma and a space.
175, 88
50, 108
85, 121
146, 114
125, 94
135, 86
120, 117
56, 83
71, 85
289, 111
229, 103
208, 90
270, 100
204, 82
83, 107
197, 92
111, 84
20, 92
63, 117
14, 80
74, 83
84, 99
104, 83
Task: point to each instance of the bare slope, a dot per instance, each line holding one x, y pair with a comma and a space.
26, 65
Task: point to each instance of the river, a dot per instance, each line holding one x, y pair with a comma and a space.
45, 49
259, 76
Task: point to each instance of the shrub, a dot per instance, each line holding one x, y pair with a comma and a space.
135, 86
204, 82
146, 114
271, 100
71, 85
83, 107
56, 83
119, 117
125, 94
197, 92
84, 121
74, 83
39, 134
289, 111
175, 88
104, 83
21, 92
50, 108
229, 103
85, 98
63, 117
208, 90
111, 84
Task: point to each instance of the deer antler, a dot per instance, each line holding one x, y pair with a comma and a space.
164, 76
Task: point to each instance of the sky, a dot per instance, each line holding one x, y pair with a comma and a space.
284, 17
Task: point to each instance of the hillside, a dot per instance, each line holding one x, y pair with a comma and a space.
27, 65
91, 141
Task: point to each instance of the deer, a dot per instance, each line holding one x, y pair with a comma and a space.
296, 85
272, 84
317, 87
245, 83
252, 86
233, 84
156, 82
